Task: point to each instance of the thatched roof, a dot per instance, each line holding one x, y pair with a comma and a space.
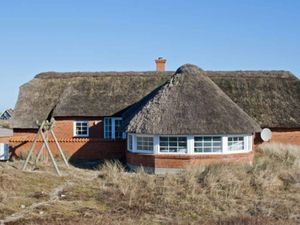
81, 94
189, 103
270, 97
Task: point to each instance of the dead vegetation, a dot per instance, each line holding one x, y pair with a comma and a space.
267, 192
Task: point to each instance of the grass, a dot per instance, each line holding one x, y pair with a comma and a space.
267, 192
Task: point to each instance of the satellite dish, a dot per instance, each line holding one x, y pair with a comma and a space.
266, 134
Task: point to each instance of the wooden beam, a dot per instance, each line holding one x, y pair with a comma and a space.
51, 155
33, 146
60, 149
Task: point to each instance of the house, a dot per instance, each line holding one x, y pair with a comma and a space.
160, 119
7, 114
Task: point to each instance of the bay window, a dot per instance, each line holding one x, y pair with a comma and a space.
130, 142
173, 144
236, 143
189, 144
144, 143
207, 144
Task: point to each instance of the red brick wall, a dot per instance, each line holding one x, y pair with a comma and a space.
64, 128
284, 136
77, 149
183, 161
92, 148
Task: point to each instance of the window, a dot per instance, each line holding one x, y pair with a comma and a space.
129, 142
107, 128
118, 127
207, 144
112, 128
173, 144
235, 143
144, 143
81, 129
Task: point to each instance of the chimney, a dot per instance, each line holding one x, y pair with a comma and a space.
160, 64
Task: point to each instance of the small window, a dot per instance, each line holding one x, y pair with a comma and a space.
236, 143
81, 129
144, 143
129, 144
173, 144
207, 144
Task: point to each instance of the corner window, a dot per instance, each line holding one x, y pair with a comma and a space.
129, 142
236, 143
113, 128
173, 144
207, 144
81, 129
144, 143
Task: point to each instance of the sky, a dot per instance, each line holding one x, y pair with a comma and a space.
118, 35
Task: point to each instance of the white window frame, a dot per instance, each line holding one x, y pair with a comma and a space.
246, 149
140, 150
75, 130
242, 141
130, 142
113, 128
248, 143
187, 144
208, 153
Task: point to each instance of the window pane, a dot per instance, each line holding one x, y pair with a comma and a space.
163, 139
207, 144
144, 143
173, 144
129, 142
236, 143
81, 128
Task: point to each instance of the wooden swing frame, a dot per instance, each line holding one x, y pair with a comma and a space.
45, 131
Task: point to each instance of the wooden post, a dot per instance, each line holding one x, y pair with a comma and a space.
51, 155
41, 150
33, 146
59, 148
45, 130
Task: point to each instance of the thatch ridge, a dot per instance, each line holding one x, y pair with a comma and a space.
190, 103
69, 75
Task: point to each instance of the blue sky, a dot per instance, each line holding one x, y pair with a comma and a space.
86, 35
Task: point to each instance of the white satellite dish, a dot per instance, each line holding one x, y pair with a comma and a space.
266, 134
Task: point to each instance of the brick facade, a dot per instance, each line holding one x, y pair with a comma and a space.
95, 147
283, 136
182, 161
286, 136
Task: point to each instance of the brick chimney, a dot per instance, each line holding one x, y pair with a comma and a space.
160, 64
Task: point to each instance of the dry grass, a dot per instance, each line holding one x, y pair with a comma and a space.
268, 192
